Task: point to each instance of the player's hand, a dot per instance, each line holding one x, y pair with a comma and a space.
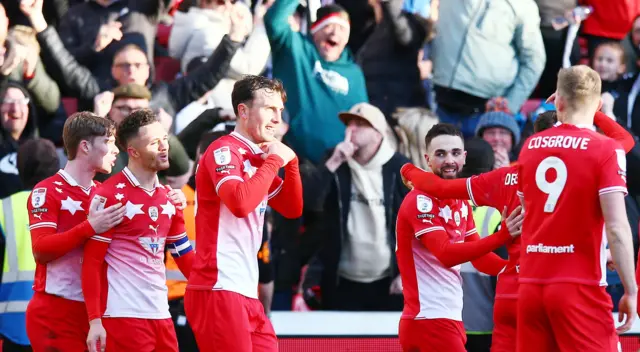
32, 9
279, 149
396, 286
514, 221
177, 197
97, 338
103, 219
627, 312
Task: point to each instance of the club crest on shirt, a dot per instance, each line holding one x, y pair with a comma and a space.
456, 217
424, 203
38, 197
222, 155
153, 213
102, 201
153, 245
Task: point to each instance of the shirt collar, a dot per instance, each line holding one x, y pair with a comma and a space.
70, 180
134, 181
254, 147
591, 127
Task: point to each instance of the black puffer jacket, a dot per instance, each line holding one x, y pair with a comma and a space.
389, 59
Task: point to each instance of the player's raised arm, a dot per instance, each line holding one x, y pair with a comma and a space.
612, 129
490, 263
286, 196
434, 185
240, 196
428, 228
46, 243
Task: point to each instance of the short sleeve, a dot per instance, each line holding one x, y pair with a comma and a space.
470, 223
43, 208
224, 163
488, 189
613, 172
422, 213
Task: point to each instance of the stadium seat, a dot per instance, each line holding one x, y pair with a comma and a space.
167, 68
70, 105
530, 106
162, 37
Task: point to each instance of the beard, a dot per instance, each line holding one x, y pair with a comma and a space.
450, 175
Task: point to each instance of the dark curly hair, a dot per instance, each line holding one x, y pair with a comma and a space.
130, 126
441, 129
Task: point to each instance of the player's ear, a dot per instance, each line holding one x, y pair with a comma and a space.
242, 110
464, 157
132, 152
84, 146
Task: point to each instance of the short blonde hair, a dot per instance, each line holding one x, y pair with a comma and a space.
579, 85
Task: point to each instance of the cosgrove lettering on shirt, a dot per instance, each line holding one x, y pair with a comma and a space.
566, 142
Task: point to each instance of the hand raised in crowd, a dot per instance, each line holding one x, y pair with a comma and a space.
261, 10
20, 53
103, 219
239, 29
279, 149
108, 32
165, 119
514, 221
32, 9
102, 103
343, 151
30, 61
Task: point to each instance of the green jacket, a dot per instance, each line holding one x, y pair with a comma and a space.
42, 88
317, 90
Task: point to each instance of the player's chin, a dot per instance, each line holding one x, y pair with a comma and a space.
104, 169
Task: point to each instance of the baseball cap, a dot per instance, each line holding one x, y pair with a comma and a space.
367, 112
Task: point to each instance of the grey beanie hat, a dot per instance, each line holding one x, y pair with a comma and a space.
499, 119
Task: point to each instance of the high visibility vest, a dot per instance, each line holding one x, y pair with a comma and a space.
479, 294
19, 268
176, 282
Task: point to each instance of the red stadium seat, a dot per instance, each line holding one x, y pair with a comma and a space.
162, 37
70, 105
167, 68
530, 106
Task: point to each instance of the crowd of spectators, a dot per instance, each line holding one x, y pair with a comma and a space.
365, 79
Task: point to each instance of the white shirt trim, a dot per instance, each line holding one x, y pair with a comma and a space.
227, 178
254, 147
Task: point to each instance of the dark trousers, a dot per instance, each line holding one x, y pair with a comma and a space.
373, 296
186, 339
478, 343
8, 346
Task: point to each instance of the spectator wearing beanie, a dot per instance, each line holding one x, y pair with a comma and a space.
320, 76
502, 132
